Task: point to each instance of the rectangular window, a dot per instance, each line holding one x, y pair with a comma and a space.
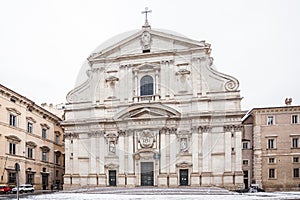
295, 142
12, 120
245, 162
12, 148
294, 119
29, 127
57, 159
44, 156
295, 159
270, 120
296, 173
271, 143
271, 173
57, 173
30, 178
44, 133
30, 152
271, 160
245, 145
12, 177
57, 138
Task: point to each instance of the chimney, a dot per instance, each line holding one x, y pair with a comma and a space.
288, 101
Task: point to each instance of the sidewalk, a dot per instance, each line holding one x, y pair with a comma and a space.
36, 192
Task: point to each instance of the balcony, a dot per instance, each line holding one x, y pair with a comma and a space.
146, 98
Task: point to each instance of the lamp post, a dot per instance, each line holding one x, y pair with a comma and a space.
17, 168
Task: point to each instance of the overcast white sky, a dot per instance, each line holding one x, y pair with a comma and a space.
43, 44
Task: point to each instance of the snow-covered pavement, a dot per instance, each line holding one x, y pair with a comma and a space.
155, 193
88, 196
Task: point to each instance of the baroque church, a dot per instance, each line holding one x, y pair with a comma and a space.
153, 111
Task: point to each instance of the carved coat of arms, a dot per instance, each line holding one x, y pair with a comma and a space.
147, 139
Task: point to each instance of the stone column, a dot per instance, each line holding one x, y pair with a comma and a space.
136, 87
171, 86
204, 83
173, 177
228, 173
121, 151
130, 161
206, 155
195, 176
102, 153
163, 161
173, 150
68, 162
195, 69
200, 147
76, 174
163, 80
239, 178
92, 160
156, 97
156, 82
167, 82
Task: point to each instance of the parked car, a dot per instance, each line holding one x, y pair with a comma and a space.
24, 188
255, 188
5, 189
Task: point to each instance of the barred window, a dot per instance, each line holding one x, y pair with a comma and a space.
271, 173
296, 173
294, 119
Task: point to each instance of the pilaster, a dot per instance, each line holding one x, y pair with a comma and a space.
195, 149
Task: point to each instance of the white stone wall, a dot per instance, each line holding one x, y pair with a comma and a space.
191, 103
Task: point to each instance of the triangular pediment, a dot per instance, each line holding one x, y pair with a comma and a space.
146, 112
132, 43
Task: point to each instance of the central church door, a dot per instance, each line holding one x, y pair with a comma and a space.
147, 174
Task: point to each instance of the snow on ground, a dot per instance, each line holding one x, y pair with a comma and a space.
93, 196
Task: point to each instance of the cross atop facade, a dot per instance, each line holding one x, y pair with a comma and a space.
146, 14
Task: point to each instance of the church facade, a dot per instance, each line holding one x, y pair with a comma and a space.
153, 111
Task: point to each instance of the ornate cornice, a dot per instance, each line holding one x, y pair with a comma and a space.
122, 133
13, 138
111, 166
14, 111
71, 136
31, 144
205, 129
233, 128
184, 164
30, 119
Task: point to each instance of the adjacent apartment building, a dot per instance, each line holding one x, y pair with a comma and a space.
271, 147
32, 137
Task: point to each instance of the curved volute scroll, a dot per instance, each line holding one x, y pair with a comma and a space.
82, 92
231, 83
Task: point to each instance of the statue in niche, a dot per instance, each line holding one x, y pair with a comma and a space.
112, 147
183, 144
183, 77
